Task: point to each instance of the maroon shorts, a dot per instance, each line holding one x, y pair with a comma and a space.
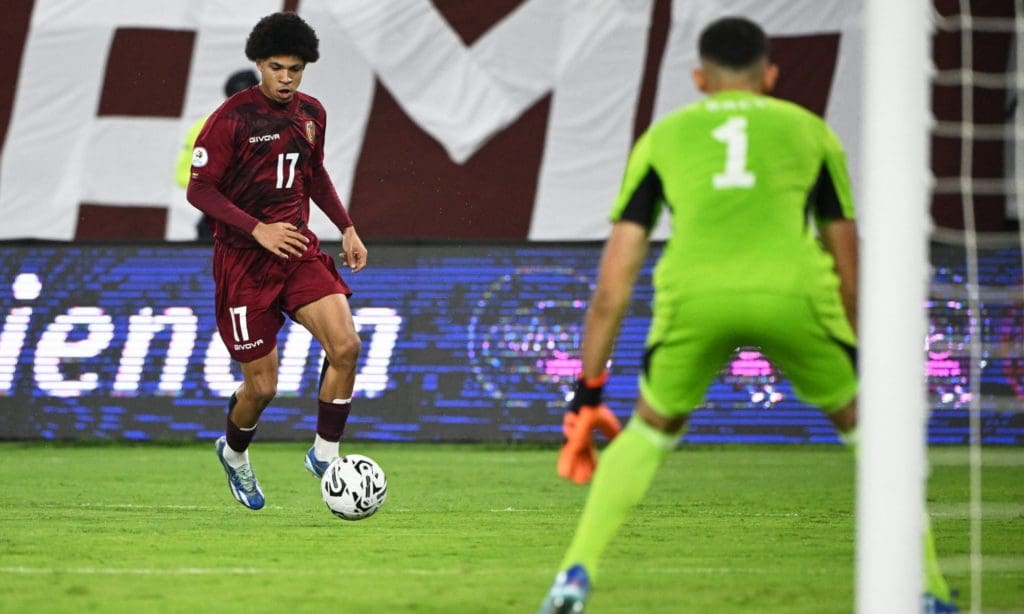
254, 289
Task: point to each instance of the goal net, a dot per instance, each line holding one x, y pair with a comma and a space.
977, 161
966, 214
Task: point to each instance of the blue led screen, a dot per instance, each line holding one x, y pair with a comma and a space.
460, 343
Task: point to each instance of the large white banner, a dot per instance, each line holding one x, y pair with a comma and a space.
545, 97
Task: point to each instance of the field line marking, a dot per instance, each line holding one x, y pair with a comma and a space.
141, 506
990, 564
989, 511
990, 457
138, 571
258, 571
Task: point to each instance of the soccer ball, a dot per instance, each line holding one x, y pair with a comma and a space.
354, 487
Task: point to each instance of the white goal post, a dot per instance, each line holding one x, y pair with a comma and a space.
895, 226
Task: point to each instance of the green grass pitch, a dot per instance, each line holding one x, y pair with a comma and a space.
466, 528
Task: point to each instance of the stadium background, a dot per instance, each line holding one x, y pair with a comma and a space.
478, 146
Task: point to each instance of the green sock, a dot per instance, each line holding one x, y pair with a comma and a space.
934, 582
624, 473
850, 439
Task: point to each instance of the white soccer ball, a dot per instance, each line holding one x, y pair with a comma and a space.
354, 487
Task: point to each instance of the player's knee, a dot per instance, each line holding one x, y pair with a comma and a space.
263, 396
344, 352
845, 418
645, 412
262, 389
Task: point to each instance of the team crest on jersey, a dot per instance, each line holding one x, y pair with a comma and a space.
199, 157
310, 131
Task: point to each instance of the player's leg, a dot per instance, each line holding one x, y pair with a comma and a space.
684, 352
248, 321
329, 319
259, 385
818, 353
627, 468
937, 591
249, 318
316, 297
258, 389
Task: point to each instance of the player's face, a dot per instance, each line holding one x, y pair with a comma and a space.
280, 76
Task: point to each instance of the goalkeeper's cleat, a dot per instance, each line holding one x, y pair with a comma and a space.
934, 605
314, 465
568, 595
242, 481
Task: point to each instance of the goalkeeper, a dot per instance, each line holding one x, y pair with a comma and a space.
763, 252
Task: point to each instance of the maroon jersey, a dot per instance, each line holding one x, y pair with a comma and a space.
257, 160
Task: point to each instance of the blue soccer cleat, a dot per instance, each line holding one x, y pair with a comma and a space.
314, 466
934, 605
242, 481
568, 595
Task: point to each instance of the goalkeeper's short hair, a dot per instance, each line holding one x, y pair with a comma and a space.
733, 42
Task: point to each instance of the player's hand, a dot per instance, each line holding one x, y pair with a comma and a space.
281, 239
353, 252
577, 459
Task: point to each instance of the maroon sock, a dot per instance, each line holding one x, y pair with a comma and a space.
331, 419
237, 439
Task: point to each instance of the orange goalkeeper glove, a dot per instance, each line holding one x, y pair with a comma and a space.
578, 456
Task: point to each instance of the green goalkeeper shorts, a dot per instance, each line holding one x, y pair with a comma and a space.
809, 341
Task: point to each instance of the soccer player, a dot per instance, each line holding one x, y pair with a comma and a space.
763, 252
257, 162
236, 82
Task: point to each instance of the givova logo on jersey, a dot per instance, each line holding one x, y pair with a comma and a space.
263, 138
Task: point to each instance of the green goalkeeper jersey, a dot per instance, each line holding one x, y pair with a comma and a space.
747, 177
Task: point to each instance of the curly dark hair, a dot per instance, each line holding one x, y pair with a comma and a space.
282, 33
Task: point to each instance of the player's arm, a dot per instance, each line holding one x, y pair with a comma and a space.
282, 239
326, 197
322, 191
183, 168
840, 239
633, 215
623, 255
832, 200
205, 196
